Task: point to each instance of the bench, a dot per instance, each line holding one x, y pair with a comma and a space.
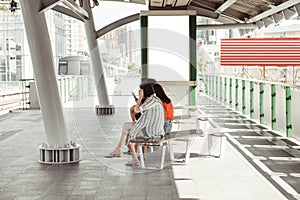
174, 136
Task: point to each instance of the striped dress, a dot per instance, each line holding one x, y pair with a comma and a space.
151, 122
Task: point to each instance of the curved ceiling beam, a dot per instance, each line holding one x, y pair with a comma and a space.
117, 24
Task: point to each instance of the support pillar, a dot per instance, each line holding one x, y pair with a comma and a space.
104, 108
46, 82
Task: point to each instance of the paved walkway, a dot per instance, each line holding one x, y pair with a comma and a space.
22, 177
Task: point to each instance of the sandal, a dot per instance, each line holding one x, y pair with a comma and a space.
114, 153
127, 152
133, 163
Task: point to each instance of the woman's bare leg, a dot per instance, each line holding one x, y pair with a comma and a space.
131, 111
134, 161
125, 130
133, 151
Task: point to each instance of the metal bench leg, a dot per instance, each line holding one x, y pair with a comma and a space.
151, 149
222, 146
209, 144
163, 155
140, 147
171, 151
187, 151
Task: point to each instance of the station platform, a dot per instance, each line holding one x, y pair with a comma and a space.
235, 175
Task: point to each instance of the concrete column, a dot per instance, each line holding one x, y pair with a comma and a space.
43, 66
95, 57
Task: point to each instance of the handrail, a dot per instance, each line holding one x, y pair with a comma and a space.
12, 94
257, 81
260, 103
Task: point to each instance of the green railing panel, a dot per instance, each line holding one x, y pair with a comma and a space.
236, 94
273, 107
212, 86
206, 85
251, 100
261, 103
221, 88
230, 92
224, 93
288, 112
243, 97
217, 85
225, 90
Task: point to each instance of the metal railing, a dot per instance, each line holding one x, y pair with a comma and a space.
270, 103
73, 88
12, 95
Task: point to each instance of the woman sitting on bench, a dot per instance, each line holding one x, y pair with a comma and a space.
168, 107
149, 125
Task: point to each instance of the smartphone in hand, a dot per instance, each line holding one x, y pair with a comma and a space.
135, 98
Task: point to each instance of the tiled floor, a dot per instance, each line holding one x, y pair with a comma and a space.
22, 177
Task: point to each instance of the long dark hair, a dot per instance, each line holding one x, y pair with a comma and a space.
160, 93
147, 89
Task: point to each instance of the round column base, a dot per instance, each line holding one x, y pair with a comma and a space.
105, 110
59, 155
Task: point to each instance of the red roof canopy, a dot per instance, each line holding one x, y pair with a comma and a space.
260, 52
